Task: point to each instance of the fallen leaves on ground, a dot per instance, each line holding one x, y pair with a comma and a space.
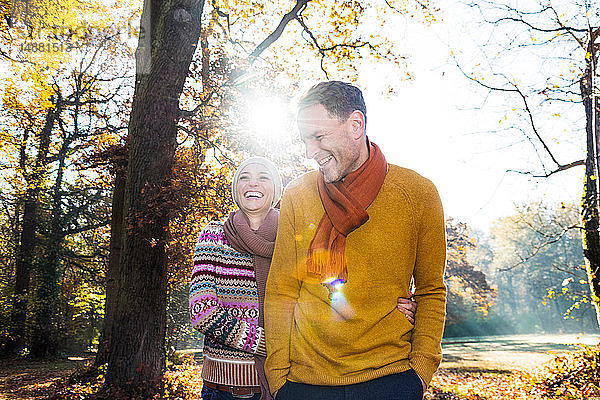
570, 376
482, 384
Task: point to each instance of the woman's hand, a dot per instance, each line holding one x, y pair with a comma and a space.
407, 307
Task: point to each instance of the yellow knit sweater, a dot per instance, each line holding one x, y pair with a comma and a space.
358, 334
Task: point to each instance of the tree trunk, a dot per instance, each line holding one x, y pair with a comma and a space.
590, 205
114, 271
44, 335
136, 360
24, 264
28, 242
44, 332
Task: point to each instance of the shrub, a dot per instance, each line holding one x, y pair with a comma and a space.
574, 375
183, 382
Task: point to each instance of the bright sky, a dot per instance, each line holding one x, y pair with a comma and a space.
447, 128
433, 127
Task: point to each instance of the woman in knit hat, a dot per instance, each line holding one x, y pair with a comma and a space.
231, 263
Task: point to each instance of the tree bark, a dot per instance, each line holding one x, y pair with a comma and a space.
113, 271
44, 332
590, 203
136, 360
28, 241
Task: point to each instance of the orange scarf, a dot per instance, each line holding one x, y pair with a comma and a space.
345, 204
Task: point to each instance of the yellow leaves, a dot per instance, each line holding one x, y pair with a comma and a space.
44, 32
489, 385
31, 93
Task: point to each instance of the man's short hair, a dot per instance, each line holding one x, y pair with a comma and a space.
340, 99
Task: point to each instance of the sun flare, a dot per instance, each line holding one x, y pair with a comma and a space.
268, 117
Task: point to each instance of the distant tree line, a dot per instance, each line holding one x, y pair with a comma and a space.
534, 261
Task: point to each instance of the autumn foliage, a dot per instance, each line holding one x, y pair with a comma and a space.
567, 376
573, 375
469, 293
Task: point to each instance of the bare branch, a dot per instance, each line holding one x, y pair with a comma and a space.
546, 175
420, 3
515, 89
538, 248
273, 36
570, 272
569, 31
316, 43
208, 141
536, 28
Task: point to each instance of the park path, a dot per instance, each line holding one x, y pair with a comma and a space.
509, 352
33, 380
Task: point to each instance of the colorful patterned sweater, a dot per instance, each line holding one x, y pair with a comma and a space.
224, 307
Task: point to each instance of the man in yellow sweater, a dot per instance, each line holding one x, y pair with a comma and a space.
351, 238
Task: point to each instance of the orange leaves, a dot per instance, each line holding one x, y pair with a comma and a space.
477, 385
569, 375
183, 382
324, 36
574, 375
202, 193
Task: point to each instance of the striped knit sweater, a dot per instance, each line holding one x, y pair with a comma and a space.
224, 307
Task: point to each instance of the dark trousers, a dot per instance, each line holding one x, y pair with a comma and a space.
214, 394
403, 386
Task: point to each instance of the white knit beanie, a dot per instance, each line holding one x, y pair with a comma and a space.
275, 177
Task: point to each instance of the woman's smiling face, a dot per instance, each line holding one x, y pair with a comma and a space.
255, 189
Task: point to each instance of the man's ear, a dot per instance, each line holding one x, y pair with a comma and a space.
357, 124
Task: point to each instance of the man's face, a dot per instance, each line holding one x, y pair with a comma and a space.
329, 142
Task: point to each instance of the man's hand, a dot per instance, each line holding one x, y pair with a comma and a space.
407, 307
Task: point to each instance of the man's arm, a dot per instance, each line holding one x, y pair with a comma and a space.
430, 291
280, 299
